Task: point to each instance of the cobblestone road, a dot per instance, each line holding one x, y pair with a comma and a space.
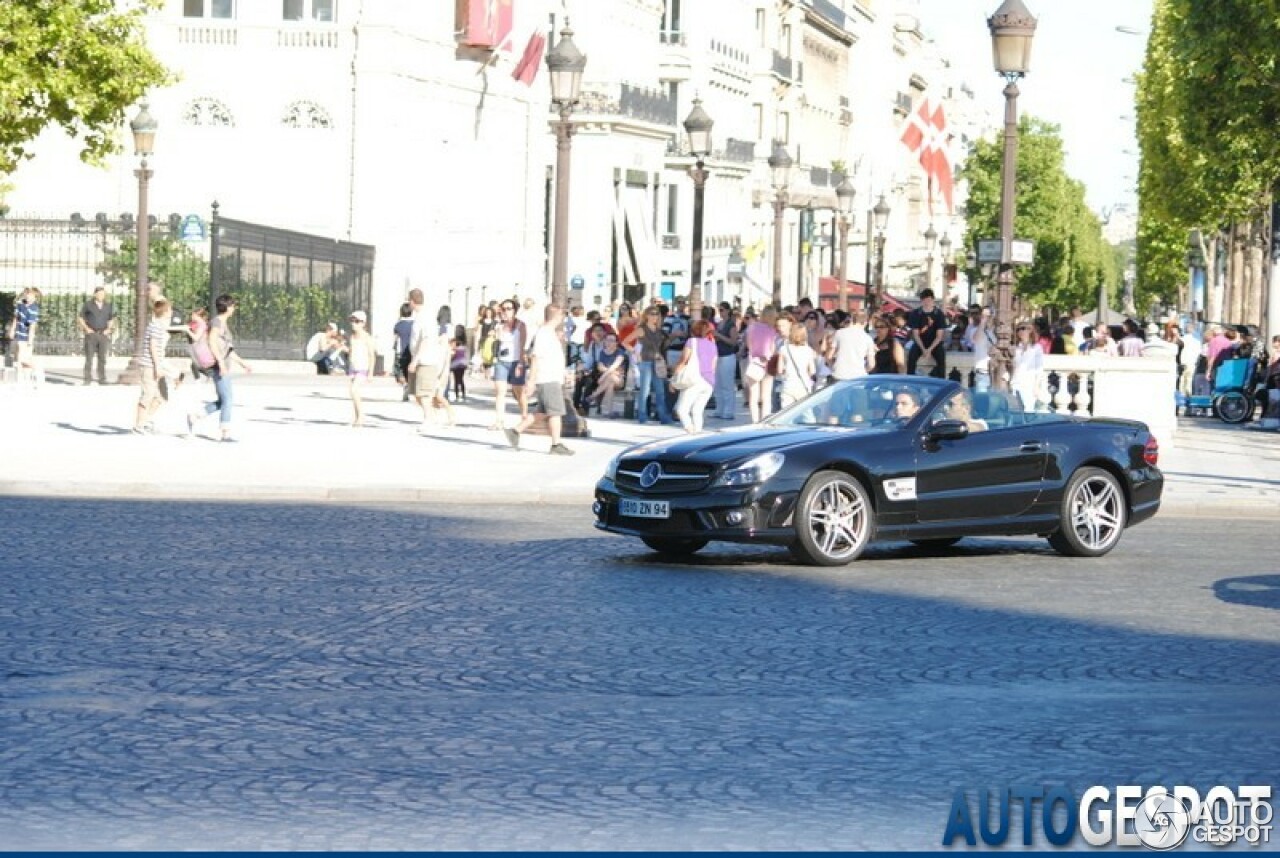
271, 676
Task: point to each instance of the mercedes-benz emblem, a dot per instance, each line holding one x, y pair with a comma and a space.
651, 474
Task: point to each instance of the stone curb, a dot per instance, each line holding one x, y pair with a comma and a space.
299, 494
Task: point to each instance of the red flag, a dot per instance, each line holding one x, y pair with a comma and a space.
917, 127
938, 165
487, 23
527, 69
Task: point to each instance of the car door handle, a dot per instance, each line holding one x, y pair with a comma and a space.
1032, 446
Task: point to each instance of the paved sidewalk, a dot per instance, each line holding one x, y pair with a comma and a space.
295, 444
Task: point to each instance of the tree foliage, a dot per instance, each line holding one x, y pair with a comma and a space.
76, 64
1208, 103
1071, 257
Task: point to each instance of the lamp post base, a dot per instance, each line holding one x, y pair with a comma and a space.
572, 424
131, 374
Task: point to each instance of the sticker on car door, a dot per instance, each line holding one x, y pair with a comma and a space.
901, 489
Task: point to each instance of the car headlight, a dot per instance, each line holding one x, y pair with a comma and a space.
752, 471
611, 470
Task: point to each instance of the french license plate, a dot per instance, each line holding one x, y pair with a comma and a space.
633, 508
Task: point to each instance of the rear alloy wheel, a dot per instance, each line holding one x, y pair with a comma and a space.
936, 544
674, 547
1233, 407
833, 519
1092, 515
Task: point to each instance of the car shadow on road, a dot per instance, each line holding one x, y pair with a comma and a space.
1254, 591
724, 554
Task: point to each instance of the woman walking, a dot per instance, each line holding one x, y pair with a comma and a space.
651, 367
726, 386
692, 401
801, 366
482, 356
511, 339
361, 357
1028, 361
22, 330
761, 338
222, 344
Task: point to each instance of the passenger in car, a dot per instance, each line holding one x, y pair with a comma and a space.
960, 408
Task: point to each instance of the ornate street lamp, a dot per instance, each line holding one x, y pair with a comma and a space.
930, 242
944, 247
971, 274
845, 194
879, 220
565, 64
1012, 29
698, 127
780, 170
1196, 262
144, 127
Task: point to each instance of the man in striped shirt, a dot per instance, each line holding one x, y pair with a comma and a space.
151, 364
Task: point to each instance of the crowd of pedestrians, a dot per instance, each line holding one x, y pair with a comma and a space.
655, 362
652, 362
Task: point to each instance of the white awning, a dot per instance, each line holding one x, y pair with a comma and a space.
643, 247
625, 257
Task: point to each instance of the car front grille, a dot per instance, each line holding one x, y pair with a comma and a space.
671, 477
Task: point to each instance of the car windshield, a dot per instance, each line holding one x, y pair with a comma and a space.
869, 401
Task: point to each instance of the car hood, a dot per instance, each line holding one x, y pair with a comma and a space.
747, 441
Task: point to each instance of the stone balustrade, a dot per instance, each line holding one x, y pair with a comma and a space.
1100, 386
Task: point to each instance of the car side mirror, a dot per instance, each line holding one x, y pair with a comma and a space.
947, 430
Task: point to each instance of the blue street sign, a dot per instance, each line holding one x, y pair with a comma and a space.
193, 228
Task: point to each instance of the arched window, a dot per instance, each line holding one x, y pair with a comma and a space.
208, 112
306, 114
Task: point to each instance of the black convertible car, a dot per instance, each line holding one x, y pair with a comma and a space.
888, 457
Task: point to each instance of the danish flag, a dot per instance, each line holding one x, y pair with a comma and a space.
926, 135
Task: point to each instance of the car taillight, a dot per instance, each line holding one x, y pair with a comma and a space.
1151, 452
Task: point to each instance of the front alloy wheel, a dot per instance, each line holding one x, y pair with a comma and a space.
833, 519
1092, 515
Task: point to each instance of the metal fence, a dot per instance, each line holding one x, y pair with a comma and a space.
287, 284
65, 259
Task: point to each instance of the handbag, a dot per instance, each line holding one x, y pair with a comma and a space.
756, 371
518, 375
773, 366
688, 375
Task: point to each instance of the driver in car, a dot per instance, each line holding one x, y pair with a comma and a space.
905, 405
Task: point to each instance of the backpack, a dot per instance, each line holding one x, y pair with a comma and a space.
201, 354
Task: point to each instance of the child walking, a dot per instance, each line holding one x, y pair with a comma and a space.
458, 365
361, 356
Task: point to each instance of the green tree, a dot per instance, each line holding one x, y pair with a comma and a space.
1208, 103
77, 64
183, 273
1071, 257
